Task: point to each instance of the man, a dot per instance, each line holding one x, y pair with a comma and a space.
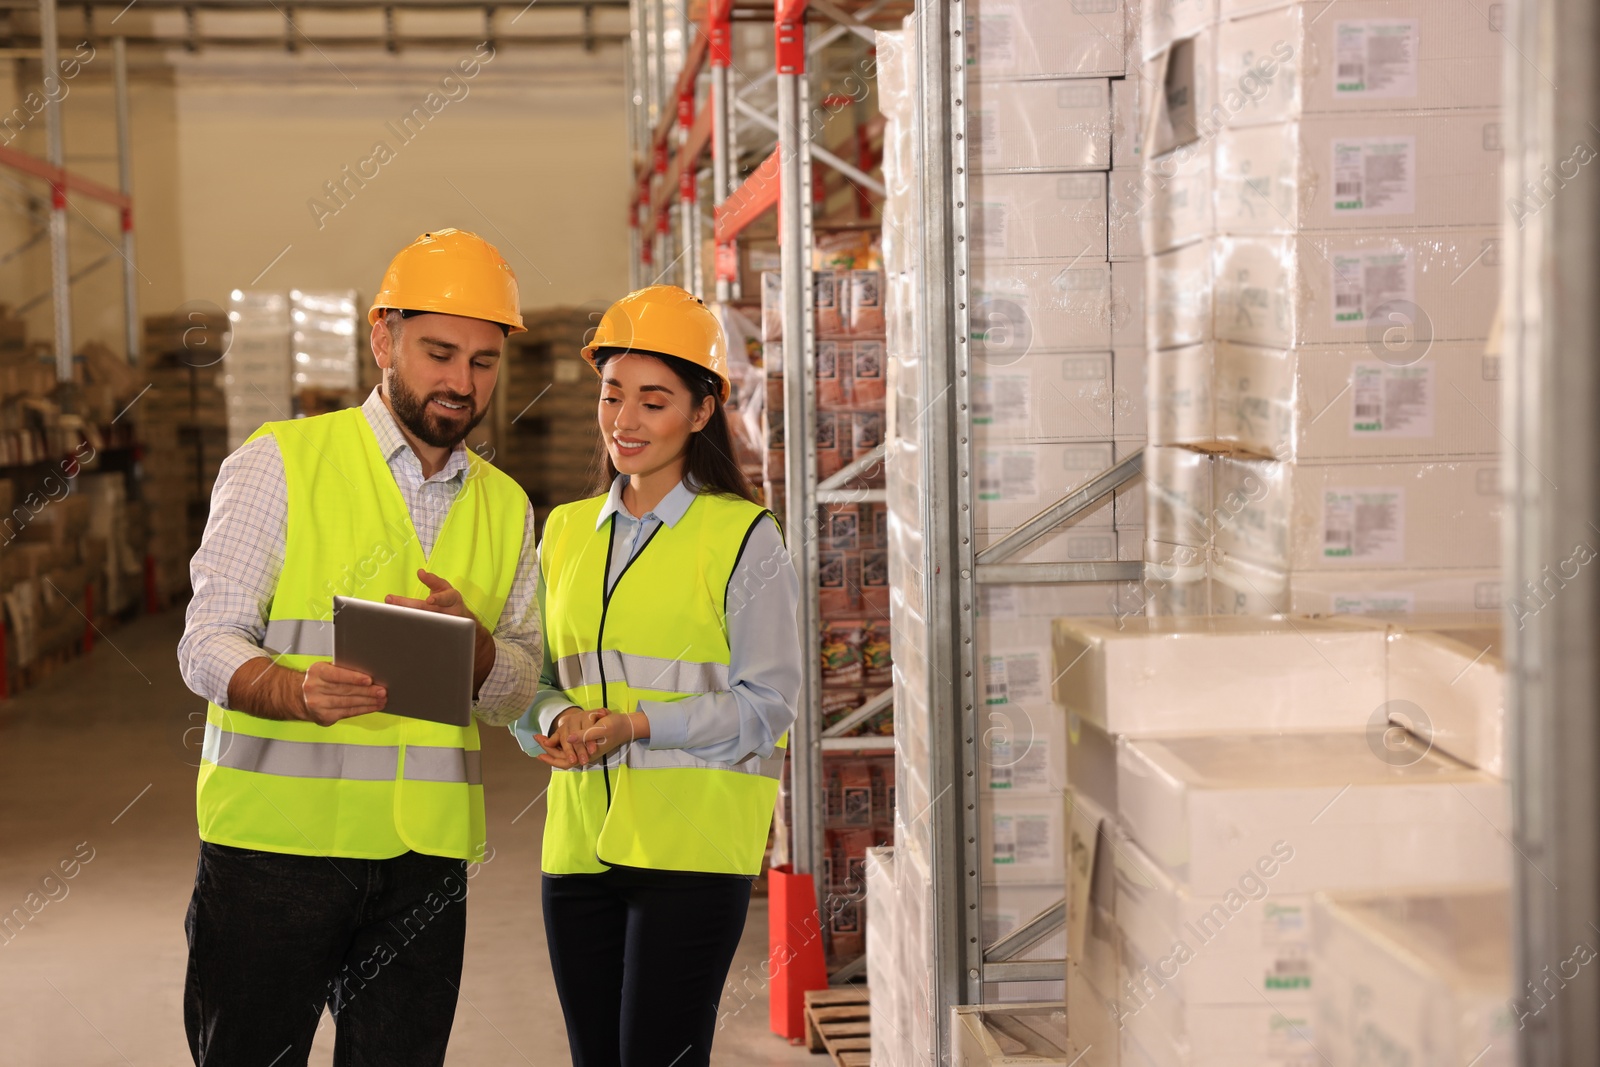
334, 837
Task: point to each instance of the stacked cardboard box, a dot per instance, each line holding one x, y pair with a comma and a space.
182, 425
1223, 771
1319, 204
257, 380
551, 439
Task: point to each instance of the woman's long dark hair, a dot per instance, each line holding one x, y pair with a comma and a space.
709, 465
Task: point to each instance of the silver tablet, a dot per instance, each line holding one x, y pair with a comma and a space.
423, 658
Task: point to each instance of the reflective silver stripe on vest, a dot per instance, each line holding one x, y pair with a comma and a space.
431, 763
642, 672
327, 759
299, 637
300, 759
638, 757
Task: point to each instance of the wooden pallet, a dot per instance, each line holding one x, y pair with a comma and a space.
837, 1023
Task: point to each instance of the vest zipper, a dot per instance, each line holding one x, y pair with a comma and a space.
607, 587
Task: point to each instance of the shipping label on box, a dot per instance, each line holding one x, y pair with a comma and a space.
1025, 838
1330, 172
1022, 307
1044, 125
1037, 216
1018, 40
1376, 286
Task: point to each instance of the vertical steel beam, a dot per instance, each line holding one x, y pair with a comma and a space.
720, 23
799, 421
688, 210
130, 292
948, 517
1552, 617
60, 272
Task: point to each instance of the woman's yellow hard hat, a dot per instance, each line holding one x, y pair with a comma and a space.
668, 321
451, 272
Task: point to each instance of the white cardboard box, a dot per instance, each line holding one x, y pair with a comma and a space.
1365, 55
1341, 403
1009, 39
1126, 144
1228, 1035
1127, 304
1404, 515
1335, 288
1178, 109
1016, 480
1425, 975
1333, 811
1040, 125
1179, 308
883, 957
1126, 204
1448, 678
1037, 216
1165, 21
1022, 838
1091, 761
1055, 305
1022, 736
1176, 582
1042, 396
1182, 404
1077, 543
1338, 172
1231, 948
1148, 677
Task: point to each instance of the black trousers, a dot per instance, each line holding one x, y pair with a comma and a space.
274, 938
639, 959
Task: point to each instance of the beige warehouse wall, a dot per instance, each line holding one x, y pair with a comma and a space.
528, 149
231, 149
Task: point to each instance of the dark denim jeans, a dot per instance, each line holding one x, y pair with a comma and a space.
273, 938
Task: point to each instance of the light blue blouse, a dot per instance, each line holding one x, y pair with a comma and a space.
766, 654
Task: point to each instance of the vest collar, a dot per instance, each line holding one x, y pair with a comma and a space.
673, 506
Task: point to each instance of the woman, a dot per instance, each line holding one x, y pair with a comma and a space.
672, 660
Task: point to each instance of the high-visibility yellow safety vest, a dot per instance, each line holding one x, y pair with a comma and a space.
660, 635
372, 786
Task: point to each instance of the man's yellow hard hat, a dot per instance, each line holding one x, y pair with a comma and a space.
667, 321
451, 272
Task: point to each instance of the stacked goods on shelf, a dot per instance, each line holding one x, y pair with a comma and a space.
549, 439
1225, 770
327, 343
1319, 208
256, 380
1424, 975
852, 553
182, 424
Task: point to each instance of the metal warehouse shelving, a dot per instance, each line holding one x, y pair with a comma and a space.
682, 135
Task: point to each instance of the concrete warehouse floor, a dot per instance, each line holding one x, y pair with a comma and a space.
96, 759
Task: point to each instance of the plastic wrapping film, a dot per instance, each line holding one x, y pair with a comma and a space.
1172, 202
1178, 507
1208, 809
1243, 588
914, 879
1093, 969
1178, 111
1011, 39
1031, 1032
883, 958
326, 348
1373, 55
1351, 172
1182, 402
1425, 974
1165, 21
1341, 287
1046, 125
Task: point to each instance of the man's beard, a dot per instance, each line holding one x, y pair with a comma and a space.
412, 412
